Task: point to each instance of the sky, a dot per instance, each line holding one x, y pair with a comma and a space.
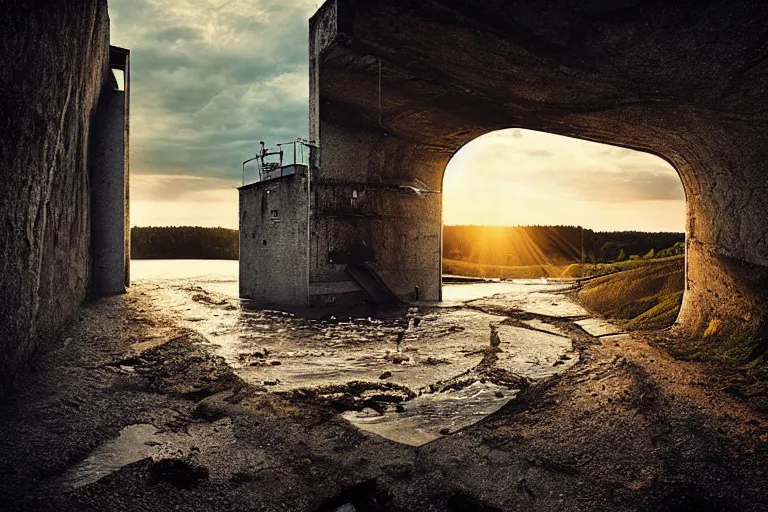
211, 78
523, 177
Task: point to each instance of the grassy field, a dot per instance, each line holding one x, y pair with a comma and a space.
463, 268
646, 297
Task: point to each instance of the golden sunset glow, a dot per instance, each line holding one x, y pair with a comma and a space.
165, 200
522, 177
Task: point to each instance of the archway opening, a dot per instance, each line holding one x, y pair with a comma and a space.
524, 205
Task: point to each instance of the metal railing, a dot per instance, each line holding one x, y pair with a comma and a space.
274, 163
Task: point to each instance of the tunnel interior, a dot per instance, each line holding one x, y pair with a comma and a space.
397, 89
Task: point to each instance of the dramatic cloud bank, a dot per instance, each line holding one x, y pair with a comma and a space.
210, 79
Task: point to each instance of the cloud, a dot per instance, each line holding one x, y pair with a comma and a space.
617, 186
211, 78
541, 152
163, 200
552, 167
163, 187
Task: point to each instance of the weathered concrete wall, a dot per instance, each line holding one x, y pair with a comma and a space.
688, 82
273, 241
377, 201
53, 57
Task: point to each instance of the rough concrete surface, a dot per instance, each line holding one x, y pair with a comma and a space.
626, 428
53, 57
273, 241
396, 87
110, 257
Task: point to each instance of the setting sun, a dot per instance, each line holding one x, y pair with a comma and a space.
523, 177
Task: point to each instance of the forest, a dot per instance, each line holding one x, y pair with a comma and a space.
184, 242
508, 246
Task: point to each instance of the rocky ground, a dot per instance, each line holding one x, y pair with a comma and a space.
142, 408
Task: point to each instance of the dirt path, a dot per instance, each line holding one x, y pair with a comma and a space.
626, 428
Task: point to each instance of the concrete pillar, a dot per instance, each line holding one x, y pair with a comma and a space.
273, 240
724, 171
109, 175
377, 201
377, 198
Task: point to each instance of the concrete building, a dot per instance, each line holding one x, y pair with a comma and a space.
274, 220
397, 87
290, 254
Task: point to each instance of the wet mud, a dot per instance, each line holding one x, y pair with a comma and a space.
402, 373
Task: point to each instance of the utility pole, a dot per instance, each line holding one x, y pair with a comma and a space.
582, 244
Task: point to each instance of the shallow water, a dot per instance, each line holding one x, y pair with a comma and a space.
453, 293
134, 443
218, 275
429, 417
222, 276
286, 353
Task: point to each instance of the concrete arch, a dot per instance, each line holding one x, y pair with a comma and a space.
397, 87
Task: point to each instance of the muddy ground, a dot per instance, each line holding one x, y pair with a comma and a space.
140, 410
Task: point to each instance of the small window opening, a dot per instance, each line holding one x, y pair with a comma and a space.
119, 76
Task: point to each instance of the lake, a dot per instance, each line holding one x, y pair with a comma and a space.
218, 275
222, 276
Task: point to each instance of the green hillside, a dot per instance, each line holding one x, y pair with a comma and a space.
647, 297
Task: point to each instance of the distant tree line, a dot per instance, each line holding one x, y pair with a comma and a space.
486, 245
184, 242
553, 245
607, 247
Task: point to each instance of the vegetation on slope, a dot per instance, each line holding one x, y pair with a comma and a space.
577, 270
643, 298
463, 268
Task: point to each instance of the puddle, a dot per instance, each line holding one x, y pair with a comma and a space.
532, 354
544, 326
430, 416
598, 327
134, 443
137, 442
